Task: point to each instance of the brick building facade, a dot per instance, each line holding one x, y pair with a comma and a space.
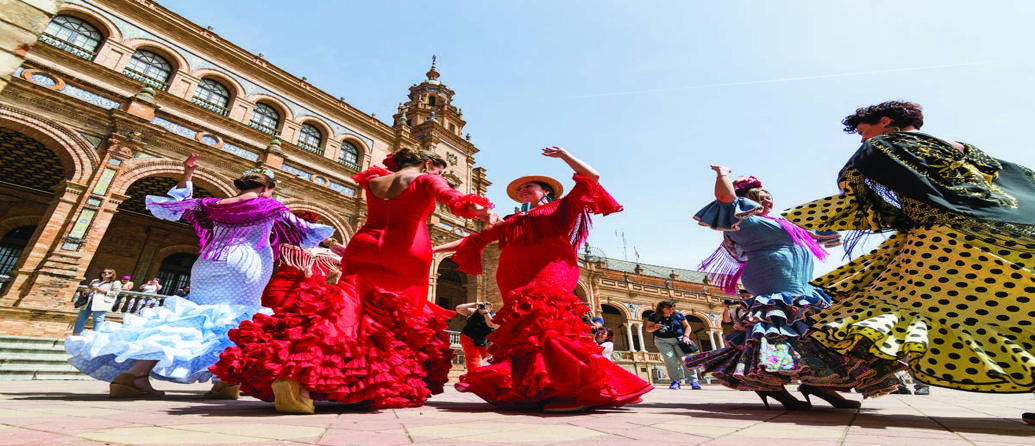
115, 94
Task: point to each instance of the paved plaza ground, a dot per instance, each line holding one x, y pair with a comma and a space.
79, 413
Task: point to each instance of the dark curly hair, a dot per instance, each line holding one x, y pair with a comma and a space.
254, 180
408, 157
902, 114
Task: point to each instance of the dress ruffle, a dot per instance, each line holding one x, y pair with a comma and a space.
544, 345
365, 176
770, 350
320, 338
185, 338
726, 216
458, 205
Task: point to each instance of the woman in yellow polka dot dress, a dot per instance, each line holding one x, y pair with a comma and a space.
951, 289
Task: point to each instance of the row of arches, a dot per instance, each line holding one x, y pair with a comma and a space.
84, 33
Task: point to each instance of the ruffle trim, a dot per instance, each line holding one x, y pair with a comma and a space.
543, 353
459, 205
778, 315
185, 339
364, 177
727, 216
468, 256
336, 354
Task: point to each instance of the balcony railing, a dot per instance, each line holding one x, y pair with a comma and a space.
209, 106
349, 165
129, 301
56, 42
263, 128
155, 83
310, 148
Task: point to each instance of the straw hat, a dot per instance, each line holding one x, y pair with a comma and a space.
512, 188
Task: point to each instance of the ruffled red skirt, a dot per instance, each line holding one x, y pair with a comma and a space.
543, 353
339, 345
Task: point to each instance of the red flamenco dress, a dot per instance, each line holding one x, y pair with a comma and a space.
542, 354
373, 338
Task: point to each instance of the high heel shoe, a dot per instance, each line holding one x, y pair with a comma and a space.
1028, 417
287, 397
789, 401
125, 386
831, 397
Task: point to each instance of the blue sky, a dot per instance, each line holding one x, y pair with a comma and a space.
652, 92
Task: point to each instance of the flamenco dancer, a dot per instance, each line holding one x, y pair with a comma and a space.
542, 355
373, 337
950, 291
179, 341
773, 258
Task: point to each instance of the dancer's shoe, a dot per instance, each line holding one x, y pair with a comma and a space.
922, 390
564, 405
287, 398
225, 393
1028, 417
789, 401
831, 397
125, 386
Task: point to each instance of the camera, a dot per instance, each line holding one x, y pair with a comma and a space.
481, 306
731, 302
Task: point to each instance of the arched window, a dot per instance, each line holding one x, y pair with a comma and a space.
349, 156
149, 68
174, 272
212, 95
12, 245
265, 118
72, 34
311, 139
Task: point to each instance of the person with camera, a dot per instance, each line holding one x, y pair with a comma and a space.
102, 294
670, 328
472, 337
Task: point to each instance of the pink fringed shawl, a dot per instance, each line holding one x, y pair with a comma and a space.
237, 219
726, 265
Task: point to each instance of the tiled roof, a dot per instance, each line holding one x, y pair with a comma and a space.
685, 275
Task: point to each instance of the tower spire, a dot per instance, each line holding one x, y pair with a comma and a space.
433, 73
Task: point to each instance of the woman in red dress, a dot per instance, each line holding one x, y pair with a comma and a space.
373, 338
543, 356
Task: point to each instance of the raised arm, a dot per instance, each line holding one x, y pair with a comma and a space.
723, 184
189, 165
580, 167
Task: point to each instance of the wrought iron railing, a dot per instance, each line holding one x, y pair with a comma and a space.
128, 301
149, 81
209, 106
56, 42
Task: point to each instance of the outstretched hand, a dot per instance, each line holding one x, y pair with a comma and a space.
721, 170
554, 152
191, 162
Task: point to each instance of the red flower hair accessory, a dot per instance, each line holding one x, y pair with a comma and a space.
390, 163
746, 182
310, 217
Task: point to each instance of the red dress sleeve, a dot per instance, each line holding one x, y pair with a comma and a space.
437, 187
468, 255
591, 196
364, 177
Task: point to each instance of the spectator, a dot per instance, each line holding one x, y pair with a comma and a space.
472, 337
669, 327
183, 292
151, 287
103, 291
605, 338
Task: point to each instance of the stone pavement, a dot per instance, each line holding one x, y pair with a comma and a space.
79, 413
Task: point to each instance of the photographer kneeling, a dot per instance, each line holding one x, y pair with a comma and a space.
472, 337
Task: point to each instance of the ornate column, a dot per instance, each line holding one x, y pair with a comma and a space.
722, 342
711, 338
629, 336
643, 339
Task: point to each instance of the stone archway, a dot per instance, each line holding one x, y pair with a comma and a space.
451, 290
135, 242
615, 319
700, 328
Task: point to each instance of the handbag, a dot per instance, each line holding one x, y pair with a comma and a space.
83, 299
688, 347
